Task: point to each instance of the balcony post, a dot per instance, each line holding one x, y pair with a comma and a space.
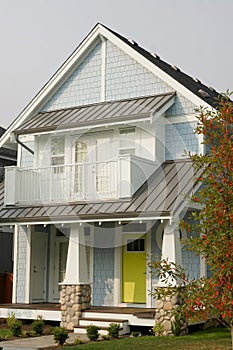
11, 189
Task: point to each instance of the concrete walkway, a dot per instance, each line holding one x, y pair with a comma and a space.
37, 343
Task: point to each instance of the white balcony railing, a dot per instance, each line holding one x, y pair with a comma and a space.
116, 178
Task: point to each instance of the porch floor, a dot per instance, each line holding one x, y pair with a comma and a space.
37, 306
49, 311
52, 311
136, 311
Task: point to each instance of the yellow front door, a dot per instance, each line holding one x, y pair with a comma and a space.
134, 269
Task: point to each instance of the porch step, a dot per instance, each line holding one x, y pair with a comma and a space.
103, 324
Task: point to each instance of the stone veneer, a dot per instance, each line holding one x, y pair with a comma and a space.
164, 314
74, 300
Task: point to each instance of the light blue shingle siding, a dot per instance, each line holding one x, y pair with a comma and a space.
82, 87
124, 78
103, 274
180, 138
103, 281
181, 106
191, 261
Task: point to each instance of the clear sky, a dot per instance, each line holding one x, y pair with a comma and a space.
38, 35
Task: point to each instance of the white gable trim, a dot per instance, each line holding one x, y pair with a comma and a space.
55, 82
74, 59
153, 68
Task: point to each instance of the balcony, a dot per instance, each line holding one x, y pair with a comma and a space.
113, 179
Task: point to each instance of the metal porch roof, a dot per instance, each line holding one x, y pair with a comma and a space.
162, 195
96, 114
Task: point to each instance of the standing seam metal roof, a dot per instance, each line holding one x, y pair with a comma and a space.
162, 194
99, 113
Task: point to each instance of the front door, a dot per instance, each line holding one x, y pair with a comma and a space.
39, 266
134, 269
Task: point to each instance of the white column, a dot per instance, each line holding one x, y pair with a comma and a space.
171, 247
117, 266
28, 265
76, 266
203, 267
15, 254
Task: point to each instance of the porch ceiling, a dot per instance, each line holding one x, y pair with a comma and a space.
97, 114
161, 196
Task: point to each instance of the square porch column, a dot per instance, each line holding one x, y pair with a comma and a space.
76, 289
164, 307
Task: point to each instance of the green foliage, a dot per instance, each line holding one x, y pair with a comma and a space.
60, 335
135, 334
208, 340
158, 329
38, 325
92, 332
106, 337
211, 297
113, 330
176, 324
14, 325
78, 341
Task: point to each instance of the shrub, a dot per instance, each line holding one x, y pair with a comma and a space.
113, 330
78, 341
158, 329
38, 325
135, 334
92, 332
14, 325
60, 335
176, 325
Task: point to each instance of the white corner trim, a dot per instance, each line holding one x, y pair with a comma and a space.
14, 289
28, 267
103, 70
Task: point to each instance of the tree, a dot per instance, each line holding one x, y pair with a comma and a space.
213, 296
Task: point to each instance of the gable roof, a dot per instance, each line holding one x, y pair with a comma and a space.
132, 110
6, 153
207, 94
161, 196
178, 80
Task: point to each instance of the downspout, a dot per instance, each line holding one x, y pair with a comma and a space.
23, 145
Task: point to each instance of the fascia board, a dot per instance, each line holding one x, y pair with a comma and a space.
154, 69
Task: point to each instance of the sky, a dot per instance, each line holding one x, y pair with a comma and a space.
38, 35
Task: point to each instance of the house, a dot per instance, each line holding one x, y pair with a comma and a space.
7, 158
102, 180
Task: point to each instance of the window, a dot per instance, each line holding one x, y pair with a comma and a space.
58, 154
80, 158
127, 141
135, 245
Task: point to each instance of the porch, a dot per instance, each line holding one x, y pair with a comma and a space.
134, 316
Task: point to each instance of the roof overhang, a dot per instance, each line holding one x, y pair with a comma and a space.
103, 114
79, 221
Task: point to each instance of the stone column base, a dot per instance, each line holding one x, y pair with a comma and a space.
74, 300
164, 315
